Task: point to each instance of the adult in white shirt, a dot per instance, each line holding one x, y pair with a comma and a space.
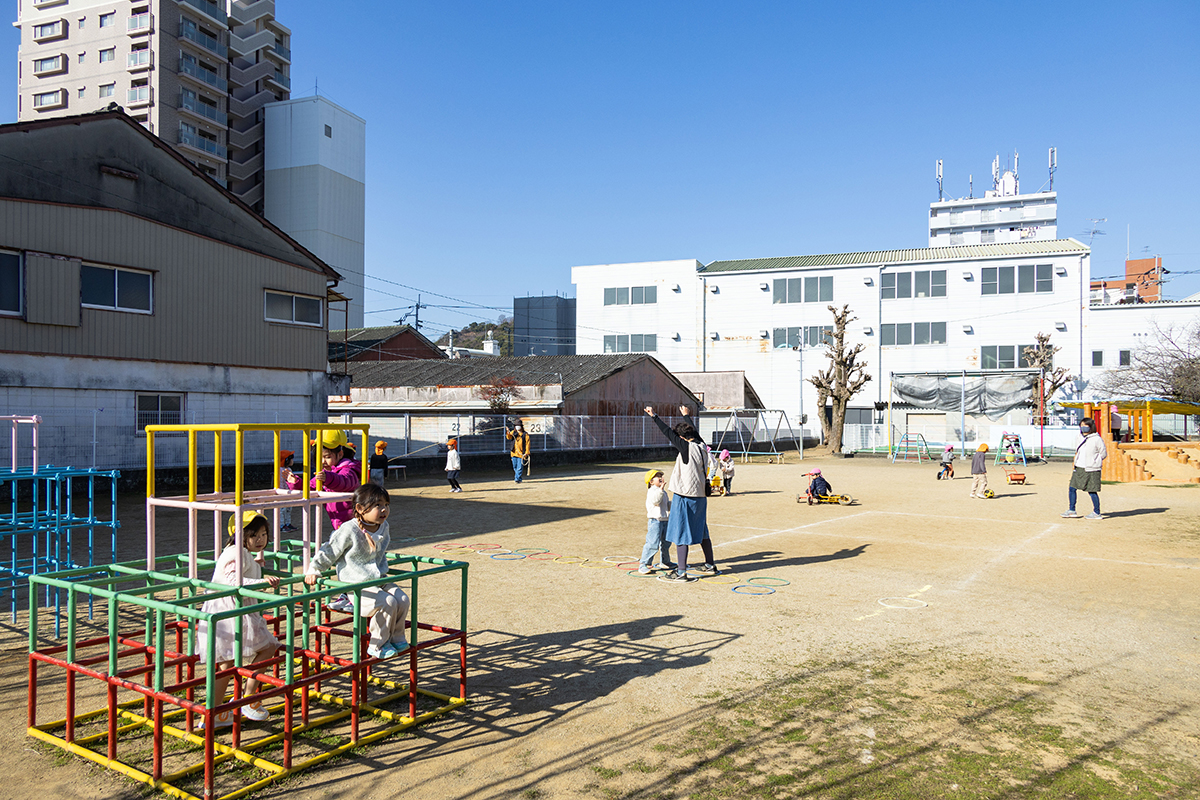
1089, 457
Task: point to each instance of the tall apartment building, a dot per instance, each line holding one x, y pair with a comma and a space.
544, 326
1002, 215
197, 73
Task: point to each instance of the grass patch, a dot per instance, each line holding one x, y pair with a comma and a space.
605, 772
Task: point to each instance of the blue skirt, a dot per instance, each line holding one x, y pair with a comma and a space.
688, 522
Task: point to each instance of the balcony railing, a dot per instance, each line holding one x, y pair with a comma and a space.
200, 73
138, 95
282, 80
209, 9
203, 39
203, 109
138, 59
200, 143
139, 23
284, 52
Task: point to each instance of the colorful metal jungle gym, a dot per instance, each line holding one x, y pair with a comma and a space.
52, 518
140, 699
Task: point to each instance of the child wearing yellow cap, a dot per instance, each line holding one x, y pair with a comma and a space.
657, 504
979, 472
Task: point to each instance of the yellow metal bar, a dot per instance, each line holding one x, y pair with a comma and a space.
149, 462
239, 476
216, 462
192, 466
362, 427
277, 463
115, 766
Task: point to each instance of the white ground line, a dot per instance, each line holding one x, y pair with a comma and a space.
943, 516
791, 530
1004, 555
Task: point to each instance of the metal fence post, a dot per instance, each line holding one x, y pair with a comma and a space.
614, 438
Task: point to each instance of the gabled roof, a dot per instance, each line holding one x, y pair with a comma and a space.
349, 343
573, 372
107, 160
880, 257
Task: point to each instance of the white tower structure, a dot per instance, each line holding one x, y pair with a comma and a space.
316, 188
1002, 215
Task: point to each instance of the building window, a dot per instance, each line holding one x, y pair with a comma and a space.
50, 30
1004, 356
926, 283
788, 290
10, 283
859, 416
106, 20
1125, 358
328, 132
635, 295
818, 290
632, 343
44, 66
1097, 358
1035, 278
108, 55
108, 89
294, 308
907, 333
116, 289
810, 336
50, 99
159, 409
999, 280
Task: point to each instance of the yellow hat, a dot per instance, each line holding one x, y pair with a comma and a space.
650, 473
983, 448
380, 446
247, 518
331, 440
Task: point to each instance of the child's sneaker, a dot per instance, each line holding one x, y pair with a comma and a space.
668, 566
341, 603
221, 720
256, 712
645, 569
1069, 514
1094, 515
289, 528
708, 569
678, 577
400, 645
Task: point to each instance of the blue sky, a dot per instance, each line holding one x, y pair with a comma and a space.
509, 141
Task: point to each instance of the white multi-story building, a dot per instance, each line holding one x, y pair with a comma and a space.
941, 309
1002, 215
316, 171
196, 73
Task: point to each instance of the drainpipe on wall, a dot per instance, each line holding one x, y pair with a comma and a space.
704, 326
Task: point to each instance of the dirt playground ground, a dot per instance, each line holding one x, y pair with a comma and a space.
918, 644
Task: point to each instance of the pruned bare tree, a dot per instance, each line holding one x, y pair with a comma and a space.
1041, 356
1168, 367
844, 377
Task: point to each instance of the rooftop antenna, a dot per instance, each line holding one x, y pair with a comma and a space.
1094, 231
1053, 165
996, 172
971, 185
1016, 173
939, 179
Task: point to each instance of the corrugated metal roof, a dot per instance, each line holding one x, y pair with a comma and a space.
576, 371
961, 253
349, 343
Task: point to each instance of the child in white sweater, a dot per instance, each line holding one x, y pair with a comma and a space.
358, 548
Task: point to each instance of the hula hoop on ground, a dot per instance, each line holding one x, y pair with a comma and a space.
531, 551
756, 581
448, 546
651, 574
721, 580
580, 561
919, 603
546, 556
627, 565
765, 590
620, 559
461, 551
508, 556
482, 547
596, 565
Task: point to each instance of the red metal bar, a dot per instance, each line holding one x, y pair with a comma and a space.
355, 678
209, 766
112, 722
158, 740
32, 708
70, 733
462, 666
287, 730
412, 683
304, 694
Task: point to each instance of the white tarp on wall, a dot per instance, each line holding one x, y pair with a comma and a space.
991, 396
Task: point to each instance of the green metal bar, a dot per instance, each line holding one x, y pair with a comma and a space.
160, 646
112, 635
71, 615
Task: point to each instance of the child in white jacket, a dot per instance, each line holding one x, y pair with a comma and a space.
657, 504
453, 465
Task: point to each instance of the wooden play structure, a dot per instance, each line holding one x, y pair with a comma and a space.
1127, 459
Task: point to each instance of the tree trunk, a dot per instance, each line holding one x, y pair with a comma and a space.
837, 424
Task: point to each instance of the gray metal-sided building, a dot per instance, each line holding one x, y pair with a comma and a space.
134, 289
544, 326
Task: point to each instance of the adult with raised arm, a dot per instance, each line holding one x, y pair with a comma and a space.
688, 522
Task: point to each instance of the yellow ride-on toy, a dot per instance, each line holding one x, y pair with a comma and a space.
840, 499
1011, 474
